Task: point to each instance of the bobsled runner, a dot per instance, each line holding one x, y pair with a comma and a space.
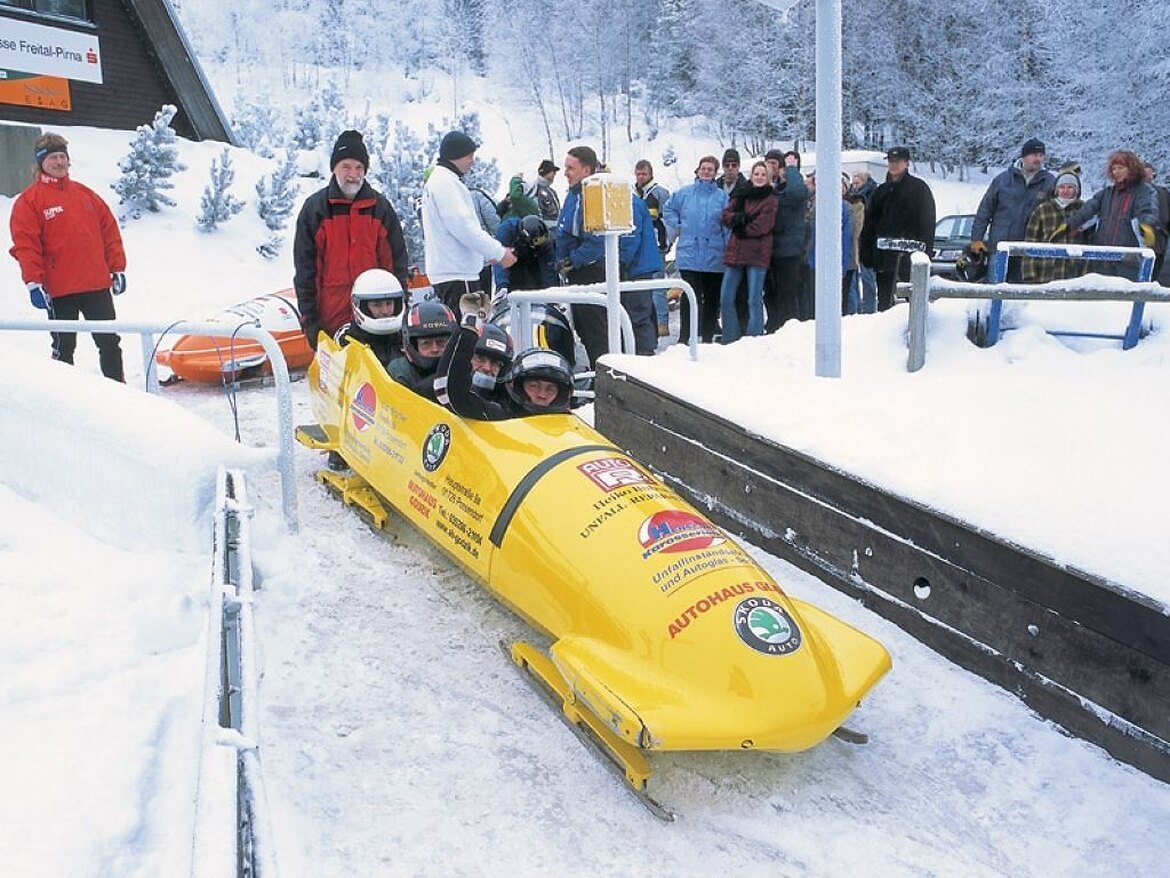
665, 634
217, 358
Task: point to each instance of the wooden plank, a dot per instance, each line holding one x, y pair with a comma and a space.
1050, 635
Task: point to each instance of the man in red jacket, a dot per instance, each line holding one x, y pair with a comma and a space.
70, 252
342, 230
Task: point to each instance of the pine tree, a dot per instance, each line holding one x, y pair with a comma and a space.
276, 196
218, 204
398, 172
146, 170
257, 125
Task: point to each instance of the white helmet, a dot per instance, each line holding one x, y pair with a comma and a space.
373, 285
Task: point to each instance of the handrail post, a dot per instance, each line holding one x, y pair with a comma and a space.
919, 305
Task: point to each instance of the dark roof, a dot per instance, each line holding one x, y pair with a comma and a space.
177, 62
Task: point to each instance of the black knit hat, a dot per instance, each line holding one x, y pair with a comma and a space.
1031, 147
731, 154
456, 145
349, 146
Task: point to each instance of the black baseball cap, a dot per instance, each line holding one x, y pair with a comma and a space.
898, 152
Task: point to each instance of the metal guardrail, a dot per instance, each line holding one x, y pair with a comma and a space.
231, 704
924, 289
250, 330
521, 302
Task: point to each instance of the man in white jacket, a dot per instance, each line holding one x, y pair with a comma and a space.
456, 246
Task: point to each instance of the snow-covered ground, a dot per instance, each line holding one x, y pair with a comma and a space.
395, 736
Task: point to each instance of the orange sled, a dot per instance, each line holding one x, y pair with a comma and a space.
216, 358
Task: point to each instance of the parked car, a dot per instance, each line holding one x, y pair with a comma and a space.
952, 235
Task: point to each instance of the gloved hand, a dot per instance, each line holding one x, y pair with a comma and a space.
1147, 232
38, 295
474, 303
738, 221
118, 283
1059, 233
470, 319
978, 247
565, 267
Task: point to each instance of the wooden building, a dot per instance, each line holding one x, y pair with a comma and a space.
105, 63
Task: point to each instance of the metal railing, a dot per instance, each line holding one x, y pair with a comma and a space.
521, 302
924, 289
250, 330
231, 704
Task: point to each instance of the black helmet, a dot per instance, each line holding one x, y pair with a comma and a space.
545, 365
533, 232
377, 285
427, 319
550, 328
495, 344
971, 266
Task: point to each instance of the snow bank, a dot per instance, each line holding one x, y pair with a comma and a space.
90, 450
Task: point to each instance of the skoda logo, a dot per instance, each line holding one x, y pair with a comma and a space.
435, 447
766, 627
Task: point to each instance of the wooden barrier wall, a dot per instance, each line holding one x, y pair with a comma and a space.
1086, 653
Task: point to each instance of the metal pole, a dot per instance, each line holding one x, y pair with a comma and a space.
828, 197
612, 291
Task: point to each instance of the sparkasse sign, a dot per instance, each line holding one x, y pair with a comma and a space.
49, 51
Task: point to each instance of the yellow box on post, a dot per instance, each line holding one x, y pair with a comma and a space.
608, 203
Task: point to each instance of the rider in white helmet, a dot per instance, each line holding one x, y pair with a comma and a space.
378, 303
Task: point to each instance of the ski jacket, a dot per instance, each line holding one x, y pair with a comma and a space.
535, 268
638, 250
574, 245
65, 237
1007, 204
1116, 208
751, 244
408, 374
693, 218
455, 245
336, 240
788, 236
656, 195
898, 209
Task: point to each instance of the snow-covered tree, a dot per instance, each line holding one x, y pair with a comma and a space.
218, 204
257, 125
146, 171
276, 198
397, 164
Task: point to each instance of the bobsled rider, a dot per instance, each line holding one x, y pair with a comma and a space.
425, 331
378, 302
539, 380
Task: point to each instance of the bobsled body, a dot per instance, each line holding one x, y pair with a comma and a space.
214, 358
661, 625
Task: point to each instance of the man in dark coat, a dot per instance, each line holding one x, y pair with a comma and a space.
902, 209
342, 230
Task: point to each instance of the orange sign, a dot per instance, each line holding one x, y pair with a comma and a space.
30, 90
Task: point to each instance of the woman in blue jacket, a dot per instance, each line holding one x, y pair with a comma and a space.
692, 218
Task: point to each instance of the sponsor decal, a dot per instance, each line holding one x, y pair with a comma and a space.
677, 530
714, 599
766, 627
364, 407
611, 473
436, 446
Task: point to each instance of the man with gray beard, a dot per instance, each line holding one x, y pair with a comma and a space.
343, 230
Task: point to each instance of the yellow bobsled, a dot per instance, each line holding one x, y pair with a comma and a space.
665, 634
